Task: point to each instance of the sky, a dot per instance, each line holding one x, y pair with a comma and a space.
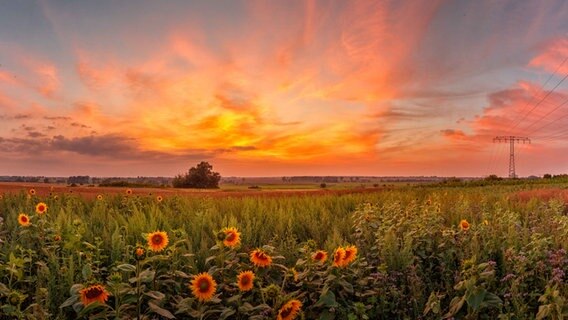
282, 88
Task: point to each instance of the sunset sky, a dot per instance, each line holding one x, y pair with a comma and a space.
272, 88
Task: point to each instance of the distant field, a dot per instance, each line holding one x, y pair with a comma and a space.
43, 189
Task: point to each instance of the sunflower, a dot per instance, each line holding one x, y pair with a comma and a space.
158, 240
232, 237
289, 310
159, 198
41, 208
350, 255
203, 286
24, 220
260, 259
245, 280
338, 257
100, 197
32, 192
139, 253
464, 225
320, 256
93, 293
128, 191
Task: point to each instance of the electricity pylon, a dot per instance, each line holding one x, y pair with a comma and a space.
512, 140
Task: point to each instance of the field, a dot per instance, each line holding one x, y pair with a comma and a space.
412, 252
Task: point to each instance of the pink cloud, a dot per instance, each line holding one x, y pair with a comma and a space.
553, 56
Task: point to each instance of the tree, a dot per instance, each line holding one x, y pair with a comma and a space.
202, 176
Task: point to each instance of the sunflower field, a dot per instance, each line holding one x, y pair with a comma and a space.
408, 253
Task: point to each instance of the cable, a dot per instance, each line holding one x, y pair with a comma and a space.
546, 96
543, 98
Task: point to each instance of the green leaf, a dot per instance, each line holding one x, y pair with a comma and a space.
327, 315
127, 267
227, 313
155, 295
163, 312
327, 299
475, 298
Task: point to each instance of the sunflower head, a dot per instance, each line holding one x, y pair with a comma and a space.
93, 293
128, 192
464, 225
203, 286
23, 220
32, 192
232, 237
157, 241
289, 310
245, 280
350, 255
159, 198
260, 259
139, 253
100, 197
15, 298
41, 208
338, 257
319, 256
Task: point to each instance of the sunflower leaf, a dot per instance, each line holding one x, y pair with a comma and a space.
161, 311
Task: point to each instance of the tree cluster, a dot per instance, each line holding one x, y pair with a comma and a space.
201, 176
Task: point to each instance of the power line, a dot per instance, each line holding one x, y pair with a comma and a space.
543, 86
547, 114
543, 98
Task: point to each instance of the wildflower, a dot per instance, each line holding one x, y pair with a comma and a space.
24, 220
57, 238
350, 255
245, 280
232, 237
159, 198
320, 256
338, 257
485, 222
41, 208
464, 225
260, 259
100, 197
203, 286
32, 192
289, 310
128, 192
157, 241
93, 293
295, 274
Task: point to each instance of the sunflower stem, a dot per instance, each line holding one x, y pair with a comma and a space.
138, 289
